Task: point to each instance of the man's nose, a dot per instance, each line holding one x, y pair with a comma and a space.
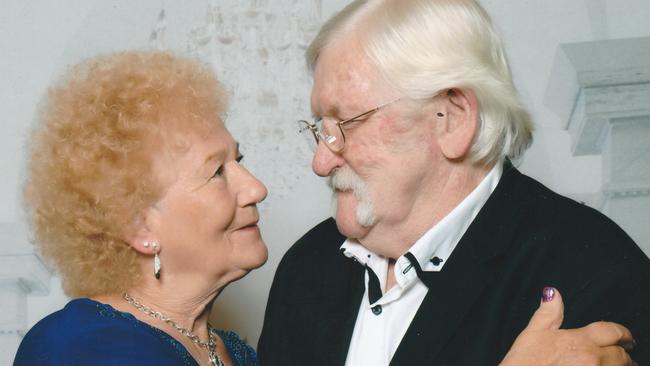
325, 161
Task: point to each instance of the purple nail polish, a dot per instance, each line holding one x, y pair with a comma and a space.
628, 346
548, 293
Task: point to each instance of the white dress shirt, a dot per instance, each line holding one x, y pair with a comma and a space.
380, 326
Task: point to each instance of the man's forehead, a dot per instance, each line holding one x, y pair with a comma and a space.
341, 83
334, 92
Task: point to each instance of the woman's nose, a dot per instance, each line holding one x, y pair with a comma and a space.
252, 191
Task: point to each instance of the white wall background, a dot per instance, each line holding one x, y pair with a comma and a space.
256, 48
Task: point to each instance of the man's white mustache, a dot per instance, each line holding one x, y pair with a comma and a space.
345, 179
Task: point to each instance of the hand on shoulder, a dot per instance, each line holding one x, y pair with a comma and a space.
543, 343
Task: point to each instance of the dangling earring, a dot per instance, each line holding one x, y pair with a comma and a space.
156, 258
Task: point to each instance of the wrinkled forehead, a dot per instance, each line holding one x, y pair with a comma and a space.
182, 147
181, 130
345, 77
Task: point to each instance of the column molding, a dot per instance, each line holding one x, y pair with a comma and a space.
22, 273
594, 83
600, 90
27, 271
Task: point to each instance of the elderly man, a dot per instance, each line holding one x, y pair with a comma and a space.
440, 246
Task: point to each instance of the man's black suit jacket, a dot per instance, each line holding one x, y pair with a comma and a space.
524, 238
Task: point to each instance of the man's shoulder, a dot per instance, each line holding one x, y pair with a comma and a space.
316, 251
323, 240
547, 207
548, 221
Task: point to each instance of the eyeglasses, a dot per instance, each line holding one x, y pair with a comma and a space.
330, 131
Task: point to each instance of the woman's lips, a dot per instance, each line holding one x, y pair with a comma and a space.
251, 226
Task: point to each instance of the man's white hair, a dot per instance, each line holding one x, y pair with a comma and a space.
422, 47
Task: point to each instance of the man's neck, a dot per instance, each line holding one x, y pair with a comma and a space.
392, 241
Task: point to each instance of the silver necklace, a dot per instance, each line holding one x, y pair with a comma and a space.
210, 345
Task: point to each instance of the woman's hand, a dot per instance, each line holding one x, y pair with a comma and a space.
543, 343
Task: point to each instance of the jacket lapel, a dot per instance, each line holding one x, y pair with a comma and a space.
465, 276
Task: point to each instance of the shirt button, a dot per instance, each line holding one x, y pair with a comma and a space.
376, 309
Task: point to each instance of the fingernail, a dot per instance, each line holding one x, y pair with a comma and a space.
548, 293
628, 346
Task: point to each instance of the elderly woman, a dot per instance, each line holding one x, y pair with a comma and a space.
138, 198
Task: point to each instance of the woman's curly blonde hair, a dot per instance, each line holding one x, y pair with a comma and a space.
91, 158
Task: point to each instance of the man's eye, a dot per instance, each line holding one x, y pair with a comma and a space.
218, 173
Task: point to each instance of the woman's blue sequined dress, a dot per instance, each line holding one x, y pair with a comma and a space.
86, 332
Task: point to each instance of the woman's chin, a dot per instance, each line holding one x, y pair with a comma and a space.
256, 257
259, 263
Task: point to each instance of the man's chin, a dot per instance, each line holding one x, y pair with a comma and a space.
346, 215
349, 226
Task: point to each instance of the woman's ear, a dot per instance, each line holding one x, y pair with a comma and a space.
458, 124
141, 234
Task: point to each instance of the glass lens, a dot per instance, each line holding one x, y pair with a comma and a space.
332, 135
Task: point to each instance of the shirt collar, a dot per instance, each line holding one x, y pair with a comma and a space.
353, 249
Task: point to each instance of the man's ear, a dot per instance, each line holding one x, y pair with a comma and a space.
141, 234
458, 125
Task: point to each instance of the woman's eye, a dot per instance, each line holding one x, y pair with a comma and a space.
220, 170
218, 173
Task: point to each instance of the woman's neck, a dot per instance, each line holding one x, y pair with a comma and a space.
189, 311
186, 305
